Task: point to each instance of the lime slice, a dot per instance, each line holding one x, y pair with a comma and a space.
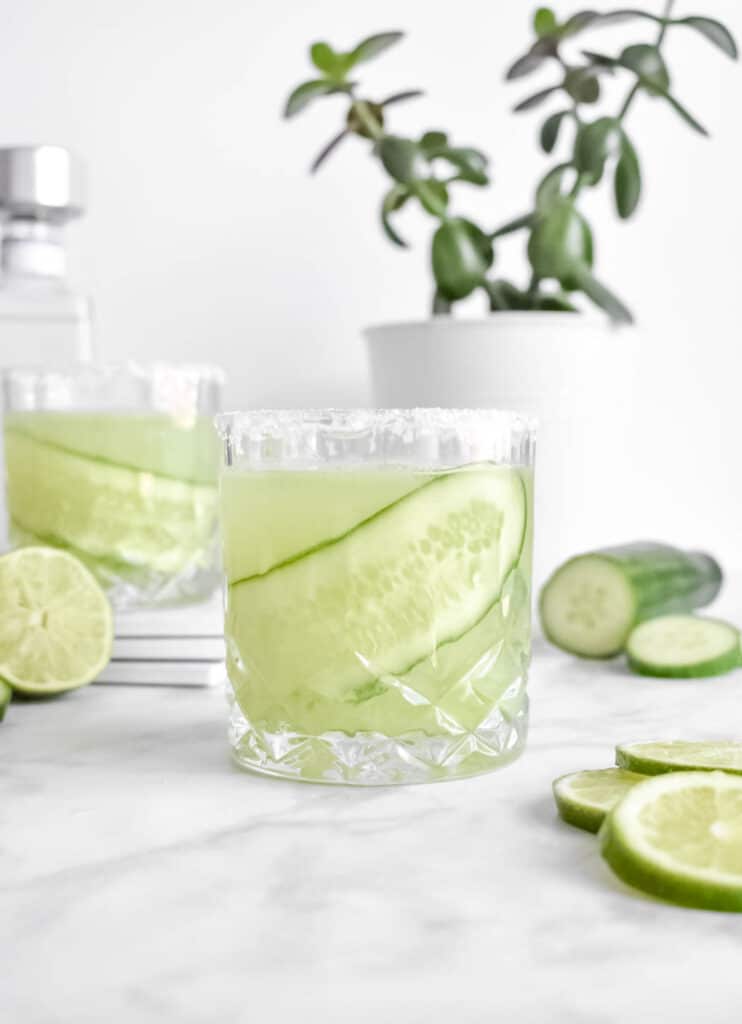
678, 755
679, 837
56, 626
5, 694
584, 798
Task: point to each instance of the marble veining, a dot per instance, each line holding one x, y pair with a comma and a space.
145, 878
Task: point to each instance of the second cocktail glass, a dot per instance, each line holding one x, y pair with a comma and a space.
378, 571
118, 465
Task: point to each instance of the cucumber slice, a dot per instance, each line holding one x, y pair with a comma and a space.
683, 647
5, 695
383, 597
102, 511
592, 602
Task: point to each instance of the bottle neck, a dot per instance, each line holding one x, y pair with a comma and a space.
33, 249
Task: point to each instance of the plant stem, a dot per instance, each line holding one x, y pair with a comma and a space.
367, 119
660, 39
628, 101
666, 15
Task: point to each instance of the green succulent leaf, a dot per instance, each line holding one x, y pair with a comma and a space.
305, 93
531, 61
324, 58
462, 254
555, 303
550, 130
372, 46
549, 191
675, 104
536, 100
433, 142
582, 85
403, 159
577, 22
589, 19
602, 296
394, 200
601, 60
433, 196
401, 97
470, 164
544, 22
627, 182
647, 62
504, 295
595, 143
684, 113
560, 244
714, 31
328, 149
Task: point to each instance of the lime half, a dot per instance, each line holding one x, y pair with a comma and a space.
584, 798
678, 755
56, 626
679, 836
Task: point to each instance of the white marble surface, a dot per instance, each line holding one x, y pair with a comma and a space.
144, 878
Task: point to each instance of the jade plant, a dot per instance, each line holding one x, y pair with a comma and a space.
429, 168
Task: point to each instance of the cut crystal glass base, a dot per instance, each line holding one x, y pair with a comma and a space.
374, 759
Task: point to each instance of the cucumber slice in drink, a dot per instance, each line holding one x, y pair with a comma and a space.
592, 602
656, 758
5, 696
683, 647
584, 798
679, 837
105, 511
388, 594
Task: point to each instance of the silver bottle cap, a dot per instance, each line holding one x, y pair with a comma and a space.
41, 182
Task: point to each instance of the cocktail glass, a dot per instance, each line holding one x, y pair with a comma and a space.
119, 466
378, 569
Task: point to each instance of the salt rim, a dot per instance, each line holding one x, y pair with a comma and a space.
430, 438
259, 422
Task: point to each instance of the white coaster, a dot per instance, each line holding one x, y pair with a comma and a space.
163, 673
168, 647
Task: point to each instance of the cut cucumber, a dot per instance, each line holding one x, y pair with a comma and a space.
592, 602
655, 757
5, 696
683, 647
388, 594
584, 798
106, 511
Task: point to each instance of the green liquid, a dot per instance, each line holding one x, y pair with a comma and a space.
134, 496
377, 601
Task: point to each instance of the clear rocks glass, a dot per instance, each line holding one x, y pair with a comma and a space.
118, 465
378, 569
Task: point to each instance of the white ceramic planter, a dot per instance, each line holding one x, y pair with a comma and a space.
575, 373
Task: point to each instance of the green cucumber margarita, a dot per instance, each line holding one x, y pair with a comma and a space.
377, 617
133, 495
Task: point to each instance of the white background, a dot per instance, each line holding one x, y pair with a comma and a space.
206, 239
